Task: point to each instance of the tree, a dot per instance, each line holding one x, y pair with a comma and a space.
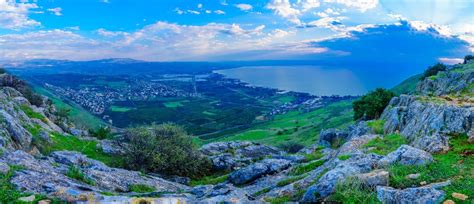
165, 149
433, 70
371, 105
468, 58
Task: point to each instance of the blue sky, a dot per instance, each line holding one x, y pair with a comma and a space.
214, 30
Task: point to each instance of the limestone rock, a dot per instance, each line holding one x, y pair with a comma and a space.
4, 168
375, 178
257, 170
410, 195
407, 155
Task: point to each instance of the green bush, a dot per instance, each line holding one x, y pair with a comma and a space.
371, 105
433, 70
165, 149
102, 132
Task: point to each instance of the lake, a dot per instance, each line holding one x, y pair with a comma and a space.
316, 80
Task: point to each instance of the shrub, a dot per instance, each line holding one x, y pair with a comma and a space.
433, 70
467, 58
377, 126
165, 149
292, 147
102, 132
352, 190
371, 106
63, 113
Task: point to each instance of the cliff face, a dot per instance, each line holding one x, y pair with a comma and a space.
443, 107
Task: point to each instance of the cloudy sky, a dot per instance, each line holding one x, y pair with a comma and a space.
214, 30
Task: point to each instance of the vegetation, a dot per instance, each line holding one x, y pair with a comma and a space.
295, 126
386, 144
3, 71
165, 149
371, 105
344, 157
141, 188
353, 190
377, 126
290, 180
210, 180
468, 58
31, 113
408, 86
304, 168
433, 70
76, 173
102, 132
455, 165
291, 147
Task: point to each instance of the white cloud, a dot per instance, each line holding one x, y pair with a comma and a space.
199, 6
219, 12
244, 7
284, 9
362, 5
193, 12
15, 15
309, 4
56, 11
446, 60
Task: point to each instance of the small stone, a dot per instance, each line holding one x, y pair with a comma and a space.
449, 202
30, 198
413, 176
423, 183
44, 202
459, 196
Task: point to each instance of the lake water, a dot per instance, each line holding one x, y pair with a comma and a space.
309, 79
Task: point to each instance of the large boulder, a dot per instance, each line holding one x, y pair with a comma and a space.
257, 170
233, 155
447, 82
426, 125
390, 195
407, 155
19, 135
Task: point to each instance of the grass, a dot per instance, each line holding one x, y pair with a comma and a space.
175, 104
456, 165
141, 188
31, 113
295, 126
290, 180
88, 148
353, 191
210, 180
34, 130
344, 157
76, 173
408, 86
261, 192
377, 126
386, 144
307, 167
314, 155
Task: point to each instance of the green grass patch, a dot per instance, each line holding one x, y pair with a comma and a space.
314, 155
31, 113
307, 167
353, 191
386, 144
290, 180
261, 192
456, 165
408, 86
88, 148
377, 126
344, 157
34, 130
141, 188
210, 180
120, 109
209, 113
76, 173
175, 104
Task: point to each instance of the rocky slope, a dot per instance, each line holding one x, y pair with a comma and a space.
421, 156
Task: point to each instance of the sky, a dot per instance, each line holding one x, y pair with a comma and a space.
233, 30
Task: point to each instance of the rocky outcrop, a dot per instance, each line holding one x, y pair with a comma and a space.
447, 82
406, 155
233, 155
334, 137
426, 124
257, 170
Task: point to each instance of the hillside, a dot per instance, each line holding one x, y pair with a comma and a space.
419, 150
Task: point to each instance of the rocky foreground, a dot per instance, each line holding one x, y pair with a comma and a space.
418, 134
